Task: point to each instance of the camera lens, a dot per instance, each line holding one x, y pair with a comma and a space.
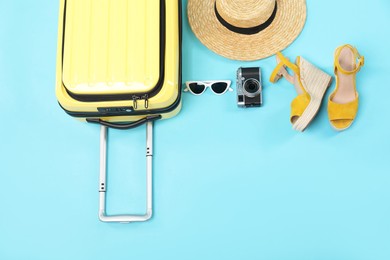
252, 87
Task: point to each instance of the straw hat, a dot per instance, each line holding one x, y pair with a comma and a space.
247, 29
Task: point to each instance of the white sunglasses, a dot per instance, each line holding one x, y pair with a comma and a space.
219, 87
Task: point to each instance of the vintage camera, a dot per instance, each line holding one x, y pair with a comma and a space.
249, 87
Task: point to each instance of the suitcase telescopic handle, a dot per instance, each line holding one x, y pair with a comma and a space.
125, 126
103, 216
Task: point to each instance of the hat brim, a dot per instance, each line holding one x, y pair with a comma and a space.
286, 27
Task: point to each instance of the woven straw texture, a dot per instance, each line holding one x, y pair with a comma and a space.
286, 27
315, 82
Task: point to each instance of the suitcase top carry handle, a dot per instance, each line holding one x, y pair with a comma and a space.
125, 126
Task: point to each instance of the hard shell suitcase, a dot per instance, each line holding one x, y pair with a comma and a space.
119, 65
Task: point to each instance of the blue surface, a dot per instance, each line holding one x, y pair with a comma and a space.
229, 183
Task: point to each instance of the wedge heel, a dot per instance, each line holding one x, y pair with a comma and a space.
316, 82
310, 83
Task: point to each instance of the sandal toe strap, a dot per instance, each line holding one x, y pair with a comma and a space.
343, 111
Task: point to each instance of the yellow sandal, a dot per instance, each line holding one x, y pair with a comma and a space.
310, 83
344, 101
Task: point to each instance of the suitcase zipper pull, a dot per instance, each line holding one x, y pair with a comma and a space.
146, 97
135, 99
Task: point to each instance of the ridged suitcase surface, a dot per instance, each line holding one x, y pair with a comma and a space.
119, 65
119, 59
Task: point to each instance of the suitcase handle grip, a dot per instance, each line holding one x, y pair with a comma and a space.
125, 126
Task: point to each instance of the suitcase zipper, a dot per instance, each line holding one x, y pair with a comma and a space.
146, 98
137, 98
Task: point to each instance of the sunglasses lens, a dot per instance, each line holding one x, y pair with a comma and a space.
196, 88
219, 87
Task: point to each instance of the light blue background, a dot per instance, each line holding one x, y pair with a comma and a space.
229, 183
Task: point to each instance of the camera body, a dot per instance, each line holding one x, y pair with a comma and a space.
249, 87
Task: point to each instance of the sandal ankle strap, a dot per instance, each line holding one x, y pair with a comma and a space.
285, 61
358, 57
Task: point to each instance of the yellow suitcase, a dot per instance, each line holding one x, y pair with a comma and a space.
119, 65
